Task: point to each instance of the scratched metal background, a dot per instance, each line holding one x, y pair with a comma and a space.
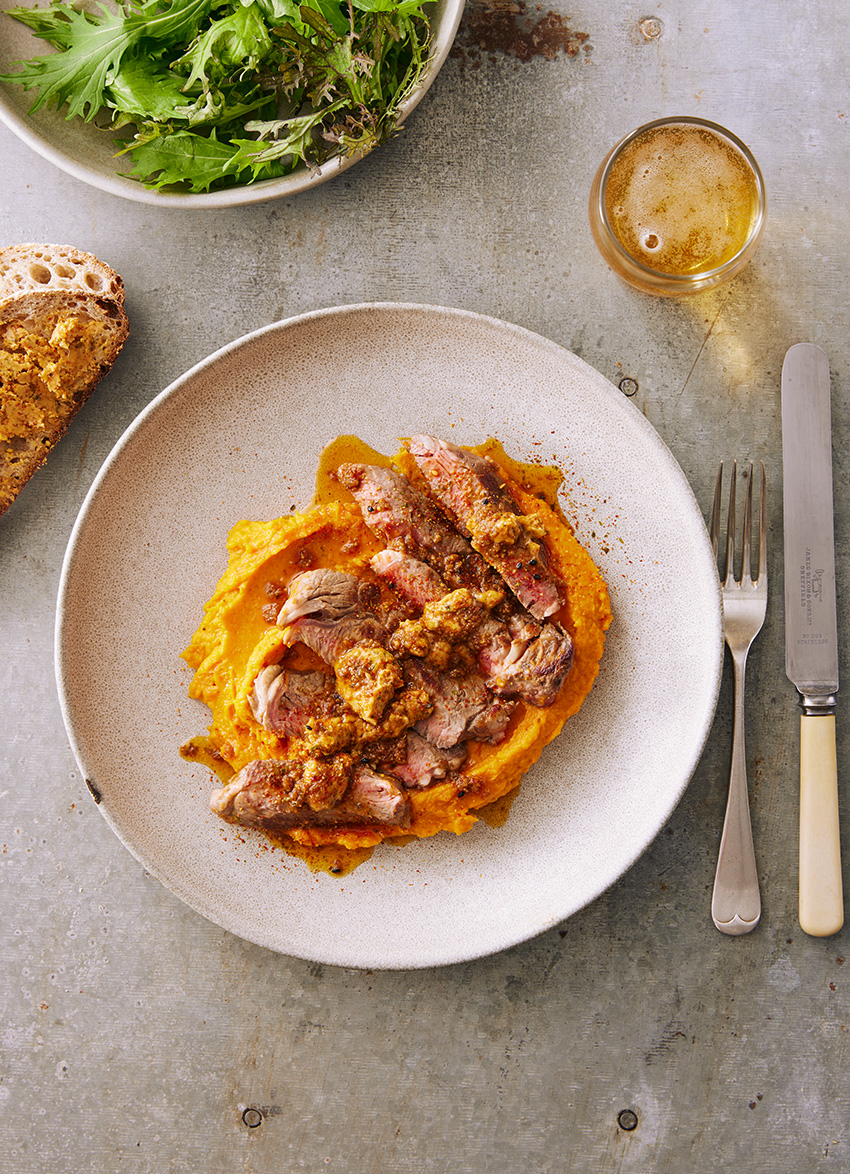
135, 1036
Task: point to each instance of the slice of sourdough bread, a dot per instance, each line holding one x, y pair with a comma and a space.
55, 347
33, 268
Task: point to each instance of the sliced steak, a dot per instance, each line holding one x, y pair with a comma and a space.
409, 522
426, 764
463, 707
537, 673
284, 792
326, 611
473, 492
518, 658
415, 580
377, 799
284, 701
280, 795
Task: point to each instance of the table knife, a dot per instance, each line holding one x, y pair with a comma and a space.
811, 637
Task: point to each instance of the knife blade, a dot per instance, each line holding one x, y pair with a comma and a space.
811, 635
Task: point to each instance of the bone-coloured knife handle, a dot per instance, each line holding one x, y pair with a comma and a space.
821, 900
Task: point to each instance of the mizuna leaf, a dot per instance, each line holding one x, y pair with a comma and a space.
183, 157
93, 47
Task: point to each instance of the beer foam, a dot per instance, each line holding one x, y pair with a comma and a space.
681, 199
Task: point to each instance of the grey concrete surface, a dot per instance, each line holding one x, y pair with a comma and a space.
133, 1033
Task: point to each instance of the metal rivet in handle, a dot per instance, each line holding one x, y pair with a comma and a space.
628, 386
252, 1118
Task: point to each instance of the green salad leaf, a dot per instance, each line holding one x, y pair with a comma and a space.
216, 93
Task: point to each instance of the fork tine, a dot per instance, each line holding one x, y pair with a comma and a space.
762, 562
715, 510
746, 556
730, 527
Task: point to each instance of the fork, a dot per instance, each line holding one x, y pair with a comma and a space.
735, 903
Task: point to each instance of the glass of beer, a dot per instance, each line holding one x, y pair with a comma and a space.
678, 206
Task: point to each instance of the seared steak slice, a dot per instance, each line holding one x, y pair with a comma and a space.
408, 522
414, 579
463, 708
377, 799
284, 792
490, 724
284, 701
426, 763
471, 489
537, 673
519, 658
280, 795
325, 610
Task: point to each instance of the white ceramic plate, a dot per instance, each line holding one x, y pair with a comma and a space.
240, 436
87, 153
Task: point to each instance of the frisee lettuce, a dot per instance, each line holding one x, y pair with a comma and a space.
217, 93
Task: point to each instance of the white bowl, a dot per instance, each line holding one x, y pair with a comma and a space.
87, 153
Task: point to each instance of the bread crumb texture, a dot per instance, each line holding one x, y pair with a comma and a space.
34, 268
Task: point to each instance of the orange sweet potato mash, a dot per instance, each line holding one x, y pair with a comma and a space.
234, 641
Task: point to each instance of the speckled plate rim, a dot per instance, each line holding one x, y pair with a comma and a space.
48, 134
599, 795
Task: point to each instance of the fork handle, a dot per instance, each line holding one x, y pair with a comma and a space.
735, 903
821, 899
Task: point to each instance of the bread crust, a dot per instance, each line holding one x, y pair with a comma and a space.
35, 268
55, 347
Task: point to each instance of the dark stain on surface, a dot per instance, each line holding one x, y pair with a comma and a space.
510, 27
669, 1036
